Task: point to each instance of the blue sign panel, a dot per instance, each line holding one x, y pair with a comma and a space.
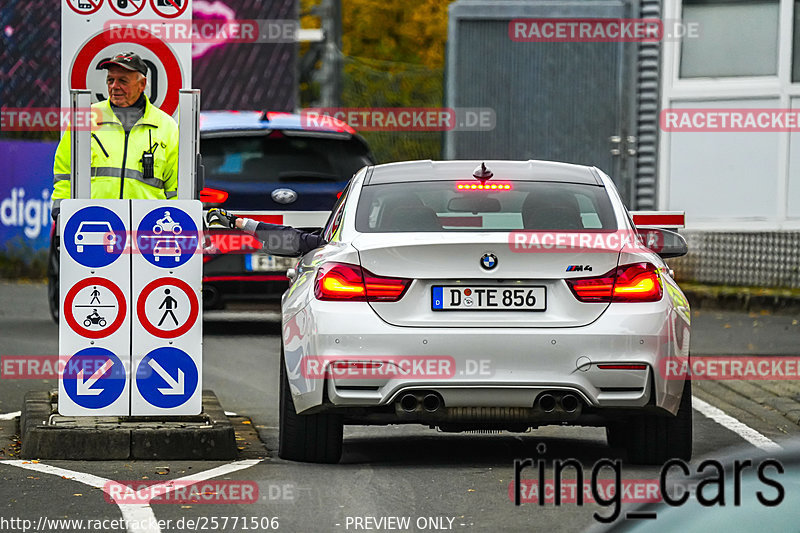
167, 237
167, 377
25, 189
94, 237
94, 378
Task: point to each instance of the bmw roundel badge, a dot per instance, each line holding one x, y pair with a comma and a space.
489, 261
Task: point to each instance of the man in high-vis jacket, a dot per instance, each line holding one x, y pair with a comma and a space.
134, 151
134, 144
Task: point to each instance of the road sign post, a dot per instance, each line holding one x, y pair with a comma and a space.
189, 100
80, 149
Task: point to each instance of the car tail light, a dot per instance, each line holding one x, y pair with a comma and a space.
489, 186
638, 282
213, 196
341, 281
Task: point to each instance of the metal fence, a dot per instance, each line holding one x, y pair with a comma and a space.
756, 259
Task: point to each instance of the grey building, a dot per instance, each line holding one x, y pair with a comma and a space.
622, 105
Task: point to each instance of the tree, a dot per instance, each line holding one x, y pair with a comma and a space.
393, 56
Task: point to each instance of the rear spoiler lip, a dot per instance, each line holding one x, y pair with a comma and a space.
659, 219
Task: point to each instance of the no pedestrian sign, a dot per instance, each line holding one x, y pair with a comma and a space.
167, 308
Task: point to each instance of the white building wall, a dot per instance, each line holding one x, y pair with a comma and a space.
733, 181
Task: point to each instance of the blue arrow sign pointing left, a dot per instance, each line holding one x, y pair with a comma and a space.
94, 378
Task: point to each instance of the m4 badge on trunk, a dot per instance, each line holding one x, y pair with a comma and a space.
579, 268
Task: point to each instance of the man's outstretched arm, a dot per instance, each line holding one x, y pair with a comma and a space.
277, 239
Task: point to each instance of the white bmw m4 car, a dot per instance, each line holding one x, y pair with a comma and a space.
479, 296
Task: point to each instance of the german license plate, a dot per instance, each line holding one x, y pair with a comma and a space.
482, 298
267, 263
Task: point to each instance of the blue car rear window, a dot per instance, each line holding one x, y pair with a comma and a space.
277, 158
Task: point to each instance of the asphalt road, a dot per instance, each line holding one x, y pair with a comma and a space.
439, 482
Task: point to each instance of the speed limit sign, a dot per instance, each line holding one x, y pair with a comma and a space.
88, 38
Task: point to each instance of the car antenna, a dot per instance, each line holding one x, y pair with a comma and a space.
482, 173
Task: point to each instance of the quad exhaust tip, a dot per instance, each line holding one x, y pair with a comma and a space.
547, 403
431, 403
563, 402
408, 403
569, 403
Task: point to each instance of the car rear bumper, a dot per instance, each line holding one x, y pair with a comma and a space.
226, 279
482, 367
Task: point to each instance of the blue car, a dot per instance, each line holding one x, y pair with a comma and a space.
274, 168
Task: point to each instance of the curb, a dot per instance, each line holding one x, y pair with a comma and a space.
47, 435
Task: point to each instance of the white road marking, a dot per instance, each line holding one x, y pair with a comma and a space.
746, 432
10, 416
139, 517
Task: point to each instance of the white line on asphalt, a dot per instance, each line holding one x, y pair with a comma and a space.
139, 517
10, 416
746, 432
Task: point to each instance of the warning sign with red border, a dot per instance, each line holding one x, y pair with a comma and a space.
167, 308
85, 7
91, 33
127, 8
169, 8
103, 304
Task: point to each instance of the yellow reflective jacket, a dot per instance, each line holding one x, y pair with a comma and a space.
117, 157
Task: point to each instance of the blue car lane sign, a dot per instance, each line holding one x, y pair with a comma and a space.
94, 378
94, 236
167, 377
167, 237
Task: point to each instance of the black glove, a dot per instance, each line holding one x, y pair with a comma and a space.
54, 213
220, 217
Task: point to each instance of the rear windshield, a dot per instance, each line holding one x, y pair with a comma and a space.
277, 158
435, 206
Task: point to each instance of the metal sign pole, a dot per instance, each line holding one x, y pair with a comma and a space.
189, 142
80, 149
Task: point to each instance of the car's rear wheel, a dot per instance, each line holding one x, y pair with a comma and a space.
653, 440
308, 438
52, 279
